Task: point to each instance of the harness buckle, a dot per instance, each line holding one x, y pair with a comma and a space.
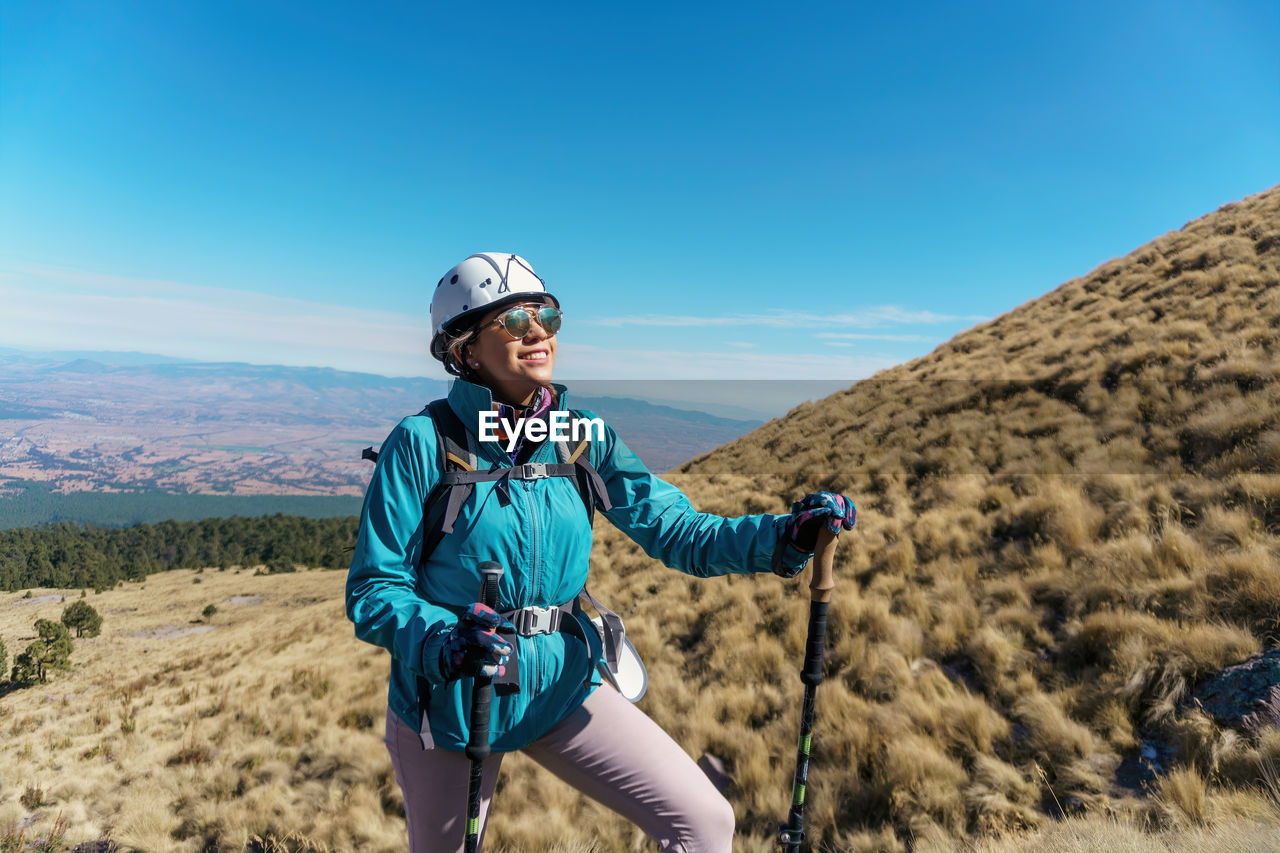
536, 620
533, 471
542, 619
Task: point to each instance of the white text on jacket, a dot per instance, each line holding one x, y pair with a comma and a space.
558, 427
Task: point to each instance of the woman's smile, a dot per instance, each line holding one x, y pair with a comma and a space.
514, 368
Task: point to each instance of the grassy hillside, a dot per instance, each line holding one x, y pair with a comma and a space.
175, 732
1069, 515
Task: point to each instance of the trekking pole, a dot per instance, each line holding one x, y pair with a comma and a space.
791, 833
478, 742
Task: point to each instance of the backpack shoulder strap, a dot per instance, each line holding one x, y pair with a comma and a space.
585, 476
568, 452
458, 465
456, 451
440, 509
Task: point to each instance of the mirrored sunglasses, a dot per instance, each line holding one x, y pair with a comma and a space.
518, 320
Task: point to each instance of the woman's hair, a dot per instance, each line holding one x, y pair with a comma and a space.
459, 341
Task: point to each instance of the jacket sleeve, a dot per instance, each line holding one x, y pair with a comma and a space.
382, 598
661, 520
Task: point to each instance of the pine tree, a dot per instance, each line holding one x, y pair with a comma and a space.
58, 641
280, 564
83, 619
30, 665
4, 658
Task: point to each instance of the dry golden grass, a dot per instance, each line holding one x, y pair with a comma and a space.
1072, 512
173, 733
1069, 516
1103, 834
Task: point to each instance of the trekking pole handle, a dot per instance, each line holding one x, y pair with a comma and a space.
478, 739
492, 574
821, 585
823, 580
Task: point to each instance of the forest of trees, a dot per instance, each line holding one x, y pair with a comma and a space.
70, 556
35, 504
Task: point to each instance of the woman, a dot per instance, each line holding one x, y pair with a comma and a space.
413, 588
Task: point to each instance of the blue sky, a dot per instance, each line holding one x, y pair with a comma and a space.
745, 190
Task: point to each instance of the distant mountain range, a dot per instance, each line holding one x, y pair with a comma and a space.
107, 422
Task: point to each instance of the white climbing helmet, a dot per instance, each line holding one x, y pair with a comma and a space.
482, 282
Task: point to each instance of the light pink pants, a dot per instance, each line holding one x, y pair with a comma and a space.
608, 749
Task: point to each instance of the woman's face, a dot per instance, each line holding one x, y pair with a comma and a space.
512, 368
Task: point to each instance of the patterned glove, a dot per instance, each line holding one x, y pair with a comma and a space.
812, 512
474, 647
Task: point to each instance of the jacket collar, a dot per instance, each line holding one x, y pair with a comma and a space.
468, 400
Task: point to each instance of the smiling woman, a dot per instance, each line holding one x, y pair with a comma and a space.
451, 497
494, 324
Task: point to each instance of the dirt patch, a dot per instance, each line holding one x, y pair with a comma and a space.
41, 599
170, 632
247, 600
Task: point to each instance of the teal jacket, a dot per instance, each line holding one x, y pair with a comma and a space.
542, 538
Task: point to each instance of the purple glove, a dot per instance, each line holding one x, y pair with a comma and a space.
813, 512
474, 647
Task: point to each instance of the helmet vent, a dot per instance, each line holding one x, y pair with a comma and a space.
481, 282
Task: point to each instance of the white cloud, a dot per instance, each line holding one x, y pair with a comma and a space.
868, 318
583, 361
861, 336
50, 308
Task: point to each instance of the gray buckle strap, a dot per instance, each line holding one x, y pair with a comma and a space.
536, 620
615, 632
526, 471
462, 483
532, 471
530, 621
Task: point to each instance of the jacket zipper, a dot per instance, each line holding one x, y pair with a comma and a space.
535, 572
